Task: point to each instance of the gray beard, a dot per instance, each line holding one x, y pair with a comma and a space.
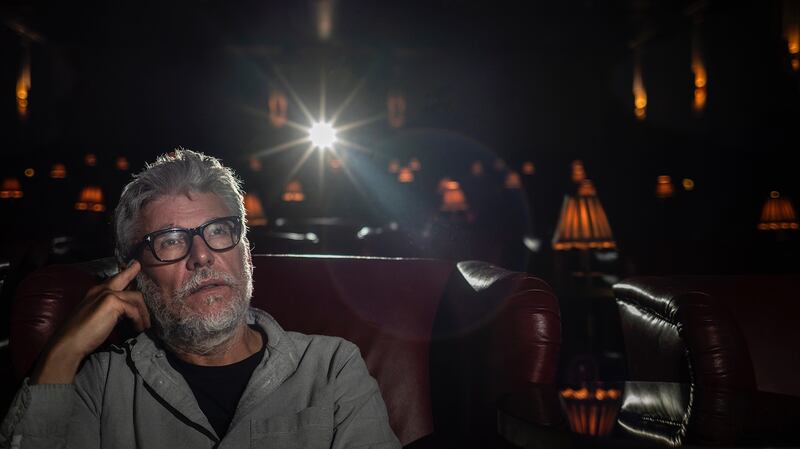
183, 329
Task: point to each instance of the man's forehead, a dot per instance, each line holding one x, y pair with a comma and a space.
188, 209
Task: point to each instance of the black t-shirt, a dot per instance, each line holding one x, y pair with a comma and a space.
219, 388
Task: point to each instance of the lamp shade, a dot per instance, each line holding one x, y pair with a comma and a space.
453, 199
578, 172
583, 223
512, 180
405, 175
294, 192
58, 171
11, 189
254, 210
664, 187
91, 199
778, 213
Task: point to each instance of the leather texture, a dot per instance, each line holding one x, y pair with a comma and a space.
443, 339
731, 341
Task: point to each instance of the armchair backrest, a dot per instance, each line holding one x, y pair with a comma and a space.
443, 339
724, 331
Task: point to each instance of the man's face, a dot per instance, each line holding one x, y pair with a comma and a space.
196, 303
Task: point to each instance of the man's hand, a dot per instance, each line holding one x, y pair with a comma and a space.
90, 325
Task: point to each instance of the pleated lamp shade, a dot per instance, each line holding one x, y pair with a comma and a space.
778, 213
583, 223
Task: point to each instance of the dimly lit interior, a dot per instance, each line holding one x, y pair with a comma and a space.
620, 158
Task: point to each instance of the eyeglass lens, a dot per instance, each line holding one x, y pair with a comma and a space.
218, 235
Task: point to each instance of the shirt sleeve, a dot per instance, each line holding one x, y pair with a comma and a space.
55, 415
360, 417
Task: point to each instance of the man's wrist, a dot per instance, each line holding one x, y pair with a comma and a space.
58, 366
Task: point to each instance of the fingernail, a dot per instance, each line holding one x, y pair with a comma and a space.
131, 263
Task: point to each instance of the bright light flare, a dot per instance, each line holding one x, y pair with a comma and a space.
322, 135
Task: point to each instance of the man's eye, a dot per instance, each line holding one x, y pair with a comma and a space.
219, 229
170, 242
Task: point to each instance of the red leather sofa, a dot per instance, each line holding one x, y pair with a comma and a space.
716, 358
443, 339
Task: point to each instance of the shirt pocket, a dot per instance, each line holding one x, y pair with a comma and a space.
309, 428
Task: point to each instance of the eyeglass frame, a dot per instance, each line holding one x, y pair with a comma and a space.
148, 239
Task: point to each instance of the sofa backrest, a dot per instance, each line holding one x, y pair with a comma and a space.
735, 331
469, 329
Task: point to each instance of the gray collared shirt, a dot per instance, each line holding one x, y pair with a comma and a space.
308, 391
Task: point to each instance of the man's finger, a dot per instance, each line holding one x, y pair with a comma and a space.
121, 280
134, 314
137, 300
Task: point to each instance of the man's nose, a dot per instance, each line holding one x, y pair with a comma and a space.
200, 255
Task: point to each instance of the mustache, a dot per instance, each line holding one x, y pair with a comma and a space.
204, 275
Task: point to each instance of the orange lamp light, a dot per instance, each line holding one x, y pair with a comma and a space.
58, 171
11, 189
254, 210
91, 200
294, 192
778, 213
583, 223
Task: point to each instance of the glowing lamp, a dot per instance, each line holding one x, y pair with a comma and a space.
254, 210
777, 214
294, 192
512, 180
453, 199
91, 200
664, 187
29, 172
278, 108
414, 164
58, 171
405, 175
583, 223
578, 172
122, 163
700, 79
90, 160
591, 412
639, 93
476, 169
396, 109
791, 31
688, 184
11, 189
322, 135
394, 166
24, 84
528, 168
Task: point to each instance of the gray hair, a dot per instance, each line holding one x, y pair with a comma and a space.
179, 172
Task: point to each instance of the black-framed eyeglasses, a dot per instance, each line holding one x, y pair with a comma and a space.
174, 244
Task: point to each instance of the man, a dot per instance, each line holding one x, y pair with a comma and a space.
207, 370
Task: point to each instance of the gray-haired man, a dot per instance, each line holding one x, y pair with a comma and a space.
207, 370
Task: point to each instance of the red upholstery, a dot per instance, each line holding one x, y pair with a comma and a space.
442, 339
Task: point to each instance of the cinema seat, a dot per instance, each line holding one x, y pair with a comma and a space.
730, 341
443, 339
